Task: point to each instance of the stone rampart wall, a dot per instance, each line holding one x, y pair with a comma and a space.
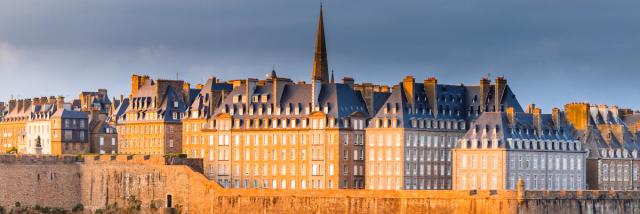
100, 181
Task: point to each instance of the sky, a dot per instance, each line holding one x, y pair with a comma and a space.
551, 52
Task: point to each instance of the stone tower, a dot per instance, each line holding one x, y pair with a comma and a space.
320, 63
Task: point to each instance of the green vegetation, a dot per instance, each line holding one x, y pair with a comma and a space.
77, 208
134, 205
175, 155
153, 206
12, 150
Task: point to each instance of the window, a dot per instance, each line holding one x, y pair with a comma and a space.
68, 134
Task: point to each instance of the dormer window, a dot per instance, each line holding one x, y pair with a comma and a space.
264, 98
256, 98
175, 104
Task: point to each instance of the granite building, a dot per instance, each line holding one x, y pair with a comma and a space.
102, 134
278, 134
151, 120
612, 145
501, 148
409, 138
44, 125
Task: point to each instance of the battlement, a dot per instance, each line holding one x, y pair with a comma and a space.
39, 159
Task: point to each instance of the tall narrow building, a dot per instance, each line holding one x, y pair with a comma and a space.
320, 63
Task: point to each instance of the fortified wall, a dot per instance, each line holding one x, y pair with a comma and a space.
154, 183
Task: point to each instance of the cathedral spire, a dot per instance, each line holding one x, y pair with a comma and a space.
332, 79
320, 63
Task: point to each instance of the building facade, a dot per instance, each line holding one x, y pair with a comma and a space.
44, 126
102, 134
501, 148
277, 134
409, 139
151, 122
612, 145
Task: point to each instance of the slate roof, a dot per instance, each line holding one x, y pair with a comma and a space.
453, 103
156, 97
607, 134
340, 99
523, 127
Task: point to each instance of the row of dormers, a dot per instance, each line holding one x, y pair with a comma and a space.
518, 144
262, 98
284, 123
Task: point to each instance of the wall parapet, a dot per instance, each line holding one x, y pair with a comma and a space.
39, 159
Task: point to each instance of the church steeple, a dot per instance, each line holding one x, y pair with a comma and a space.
320, 63
332, 80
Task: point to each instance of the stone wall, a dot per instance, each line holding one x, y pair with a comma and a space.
99, 181
33, 181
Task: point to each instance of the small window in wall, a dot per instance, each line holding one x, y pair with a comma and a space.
169, 201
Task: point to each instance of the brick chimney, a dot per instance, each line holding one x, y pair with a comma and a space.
484, 93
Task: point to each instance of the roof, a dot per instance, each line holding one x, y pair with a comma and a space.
451, 102
508, 130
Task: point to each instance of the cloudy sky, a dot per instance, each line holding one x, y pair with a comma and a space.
552, 52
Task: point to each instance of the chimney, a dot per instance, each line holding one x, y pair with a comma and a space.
578, 115
12, 105
604, 112
52, 100
102, 92
484, 93
407, 85
431, 89
500, 87
60, 102
20, 105
530, 108
384, 88
556, 115
615, 113
367, 92
136, 82
36, 101
537, 122
348, 81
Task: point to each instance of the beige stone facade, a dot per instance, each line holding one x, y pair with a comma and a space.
151, 121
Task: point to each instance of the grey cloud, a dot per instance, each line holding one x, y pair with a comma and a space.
552, 52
